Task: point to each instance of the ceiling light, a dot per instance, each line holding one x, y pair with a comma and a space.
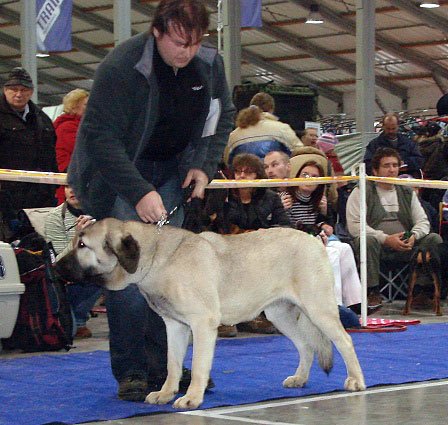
314, 17
42, 55
430, 4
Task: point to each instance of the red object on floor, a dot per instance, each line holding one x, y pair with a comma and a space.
99, 310
376, 324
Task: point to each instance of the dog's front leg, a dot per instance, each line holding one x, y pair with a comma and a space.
178, 335
413, 278
204, 339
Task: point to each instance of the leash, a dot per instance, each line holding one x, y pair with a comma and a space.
165, 218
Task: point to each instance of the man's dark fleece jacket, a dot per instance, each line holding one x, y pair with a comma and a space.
406, 147
120, 118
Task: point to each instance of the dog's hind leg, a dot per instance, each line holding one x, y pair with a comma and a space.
205, 330
328, 322
289, 321
178, 335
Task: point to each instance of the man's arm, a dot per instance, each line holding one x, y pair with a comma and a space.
104, 133
419, 218
215, 143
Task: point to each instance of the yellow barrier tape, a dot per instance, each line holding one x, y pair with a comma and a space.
61, 179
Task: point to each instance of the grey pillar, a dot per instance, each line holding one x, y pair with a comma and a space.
122, 20
232, 41
365, 66
28, 41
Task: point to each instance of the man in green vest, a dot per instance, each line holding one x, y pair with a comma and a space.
396, 221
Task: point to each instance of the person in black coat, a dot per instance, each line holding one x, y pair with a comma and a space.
412, 160
254, 208
27, 141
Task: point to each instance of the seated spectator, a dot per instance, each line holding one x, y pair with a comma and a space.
308, 153
396, 221
252, 209
66, 126
412, 160
309, 137
61, 228
434, 149
326, 143
259, 131
307, 205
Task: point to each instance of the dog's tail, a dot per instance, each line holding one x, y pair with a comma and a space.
314, 338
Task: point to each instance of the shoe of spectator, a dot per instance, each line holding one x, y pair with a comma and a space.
133, 388
356, 308
83, 332
227, 331
155, 383
374, 298
260, 325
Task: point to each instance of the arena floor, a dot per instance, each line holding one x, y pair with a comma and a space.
417, 403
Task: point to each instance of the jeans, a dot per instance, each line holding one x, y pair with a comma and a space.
137, 336
82, 299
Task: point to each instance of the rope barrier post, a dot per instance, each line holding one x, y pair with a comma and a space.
362, 242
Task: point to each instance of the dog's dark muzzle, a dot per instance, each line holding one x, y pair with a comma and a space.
69, 269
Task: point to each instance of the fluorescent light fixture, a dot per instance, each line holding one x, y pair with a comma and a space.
42, 55
314, 17
430, 4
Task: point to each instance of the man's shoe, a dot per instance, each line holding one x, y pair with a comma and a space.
83, 332
227, 331
356, 308
374, 298
155, 383
133, 388
259, 325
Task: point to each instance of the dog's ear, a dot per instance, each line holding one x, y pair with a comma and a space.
127, 251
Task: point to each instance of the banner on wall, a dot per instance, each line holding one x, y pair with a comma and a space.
54, 25
251, 13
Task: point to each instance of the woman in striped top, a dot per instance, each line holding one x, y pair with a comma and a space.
307, 204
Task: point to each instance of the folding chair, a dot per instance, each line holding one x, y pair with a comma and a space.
395, 276
443, 207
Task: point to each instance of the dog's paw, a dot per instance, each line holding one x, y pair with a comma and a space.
351, 384
294, 382
188, 402
159, 397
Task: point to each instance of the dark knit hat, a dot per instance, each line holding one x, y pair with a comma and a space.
19, 76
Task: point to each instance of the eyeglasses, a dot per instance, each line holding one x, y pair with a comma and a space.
245, 171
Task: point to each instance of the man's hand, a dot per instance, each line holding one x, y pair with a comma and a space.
395, 242
150, 208
200, 180
286, 201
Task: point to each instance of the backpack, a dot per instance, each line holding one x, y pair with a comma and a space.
44, 321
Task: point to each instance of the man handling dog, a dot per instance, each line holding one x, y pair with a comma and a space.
158, 119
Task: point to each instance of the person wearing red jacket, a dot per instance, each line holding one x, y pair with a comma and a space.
66, 126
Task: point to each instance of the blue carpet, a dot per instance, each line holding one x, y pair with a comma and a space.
76, 388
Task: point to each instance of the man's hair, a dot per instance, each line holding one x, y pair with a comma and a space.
390, 115
264, 101
283, 156
73, 98
381, 153
251, 161
187, 17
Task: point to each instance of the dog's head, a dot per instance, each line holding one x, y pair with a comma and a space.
105, 254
